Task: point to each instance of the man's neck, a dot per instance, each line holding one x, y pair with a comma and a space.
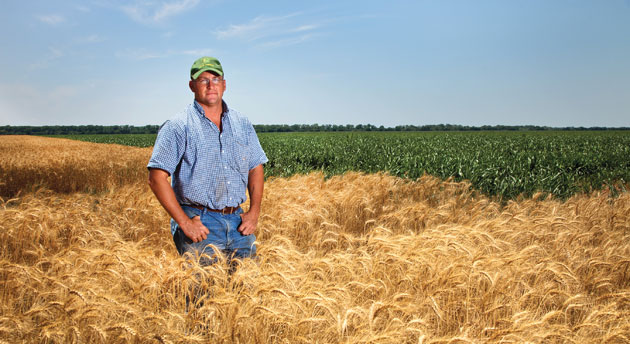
213, 113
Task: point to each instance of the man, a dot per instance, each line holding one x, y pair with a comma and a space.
213, 155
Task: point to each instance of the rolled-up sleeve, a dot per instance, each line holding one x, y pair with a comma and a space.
257, 155
169, 148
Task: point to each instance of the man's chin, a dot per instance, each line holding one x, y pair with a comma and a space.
209, 101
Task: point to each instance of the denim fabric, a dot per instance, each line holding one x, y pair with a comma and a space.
223, 235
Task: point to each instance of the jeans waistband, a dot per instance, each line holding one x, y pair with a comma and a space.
224, 211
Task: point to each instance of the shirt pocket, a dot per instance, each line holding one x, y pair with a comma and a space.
241, 158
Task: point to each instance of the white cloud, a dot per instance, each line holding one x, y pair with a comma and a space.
271, 32
287, 41
174, 8
148, 12
305, 28
141, 54
258, 27
51, 19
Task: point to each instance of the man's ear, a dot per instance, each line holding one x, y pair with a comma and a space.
191, 85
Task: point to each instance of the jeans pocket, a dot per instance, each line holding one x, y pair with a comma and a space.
191, 211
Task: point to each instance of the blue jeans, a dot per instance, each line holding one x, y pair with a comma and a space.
223, 235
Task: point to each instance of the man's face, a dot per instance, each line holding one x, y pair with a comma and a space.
206, 91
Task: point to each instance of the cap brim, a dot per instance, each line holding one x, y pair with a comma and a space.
212, 70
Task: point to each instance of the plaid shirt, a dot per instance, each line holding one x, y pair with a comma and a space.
208, 167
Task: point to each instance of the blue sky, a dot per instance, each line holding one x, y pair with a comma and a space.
485, 62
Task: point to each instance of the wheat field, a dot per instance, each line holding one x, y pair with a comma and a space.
87, 257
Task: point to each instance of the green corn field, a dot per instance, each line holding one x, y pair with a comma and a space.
502, 164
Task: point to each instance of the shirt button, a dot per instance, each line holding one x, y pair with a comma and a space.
228, 182
225, 167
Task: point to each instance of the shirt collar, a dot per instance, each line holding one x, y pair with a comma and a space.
203, 113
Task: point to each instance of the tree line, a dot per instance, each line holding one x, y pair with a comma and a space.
427, 127
271, 128
77, 129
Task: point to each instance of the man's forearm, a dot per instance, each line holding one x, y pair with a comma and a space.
158, 181
193, 228
255, 186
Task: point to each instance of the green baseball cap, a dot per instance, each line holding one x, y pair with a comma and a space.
205, 64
